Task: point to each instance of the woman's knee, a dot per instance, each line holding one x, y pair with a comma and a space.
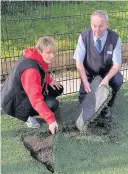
52, 103
55, 92
60, 90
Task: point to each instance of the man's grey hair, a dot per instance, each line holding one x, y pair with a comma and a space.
101, 13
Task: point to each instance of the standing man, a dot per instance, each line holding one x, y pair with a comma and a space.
98, 52
29, 90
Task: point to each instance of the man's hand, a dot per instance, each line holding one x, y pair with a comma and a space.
83, 76
55, 83
104, 82
87, 87
53, 127
113, 71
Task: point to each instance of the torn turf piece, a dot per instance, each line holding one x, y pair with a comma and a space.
94, 103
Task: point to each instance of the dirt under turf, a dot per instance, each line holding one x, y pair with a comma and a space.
40, 146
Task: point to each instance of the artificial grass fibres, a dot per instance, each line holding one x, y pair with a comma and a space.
92, 153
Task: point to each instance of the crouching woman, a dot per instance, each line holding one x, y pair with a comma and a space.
29, 89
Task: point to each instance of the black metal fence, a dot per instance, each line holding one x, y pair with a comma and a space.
23, 22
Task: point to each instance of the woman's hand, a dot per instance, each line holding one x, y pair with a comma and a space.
53, 127
55, 83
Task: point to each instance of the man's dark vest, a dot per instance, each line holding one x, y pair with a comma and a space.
95, 63
13, 95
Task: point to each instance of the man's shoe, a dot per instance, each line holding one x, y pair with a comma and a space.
107, 112
32, 122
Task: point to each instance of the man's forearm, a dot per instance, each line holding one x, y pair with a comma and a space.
82, 72
83, 76
113, 71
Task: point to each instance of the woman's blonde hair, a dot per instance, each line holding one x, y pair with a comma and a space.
46, 42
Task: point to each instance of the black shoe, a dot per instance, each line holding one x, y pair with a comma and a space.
106, 113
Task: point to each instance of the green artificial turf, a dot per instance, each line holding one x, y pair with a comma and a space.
94, 154
15, 158
90, 154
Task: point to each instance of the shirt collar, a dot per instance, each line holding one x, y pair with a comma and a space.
102, 38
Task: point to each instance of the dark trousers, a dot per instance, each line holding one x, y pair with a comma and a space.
115, 83
49, 98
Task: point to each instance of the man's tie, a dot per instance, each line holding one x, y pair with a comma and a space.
98, 45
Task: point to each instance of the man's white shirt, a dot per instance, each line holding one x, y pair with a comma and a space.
80, 51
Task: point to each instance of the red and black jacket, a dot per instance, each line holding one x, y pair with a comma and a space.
25, 83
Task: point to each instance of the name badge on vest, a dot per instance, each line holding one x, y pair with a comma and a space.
109, 52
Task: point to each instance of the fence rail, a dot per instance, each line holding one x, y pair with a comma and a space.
23, 22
